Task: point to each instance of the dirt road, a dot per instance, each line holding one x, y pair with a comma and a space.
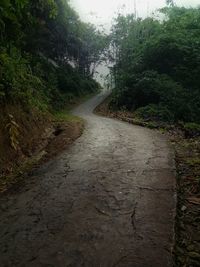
107, 201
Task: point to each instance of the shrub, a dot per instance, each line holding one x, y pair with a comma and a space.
18, 83
163, 98
155, 112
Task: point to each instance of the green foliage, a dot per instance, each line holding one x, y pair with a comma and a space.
40, 40
157, 64
18, 84
155, 113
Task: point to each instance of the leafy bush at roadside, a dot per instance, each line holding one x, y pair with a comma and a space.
18, 84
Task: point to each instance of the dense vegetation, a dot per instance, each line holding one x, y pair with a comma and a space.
47, 61
157, 65
47, 55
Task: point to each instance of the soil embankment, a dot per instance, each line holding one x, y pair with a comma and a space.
29, 138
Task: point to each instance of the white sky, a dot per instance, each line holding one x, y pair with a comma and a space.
101, 12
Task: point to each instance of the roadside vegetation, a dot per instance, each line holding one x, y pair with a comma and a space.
157, 65
48, 58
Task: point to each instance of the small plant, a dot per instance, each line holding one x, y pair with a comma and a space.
192, 129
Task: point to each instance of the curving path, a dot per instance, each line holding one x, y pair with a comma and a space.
107, 201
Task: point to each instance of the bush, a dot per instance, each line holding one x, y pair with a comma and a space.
157, 62
18, 84
155, 112
163, 98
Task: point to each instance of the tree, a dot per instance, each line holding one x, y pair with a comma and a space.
159, 59
170, 3
91, 49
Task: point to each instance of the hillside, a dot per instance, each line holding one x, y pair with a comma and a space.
47, 61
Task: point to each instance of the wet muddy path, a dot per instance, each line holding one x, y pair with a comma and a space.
109, 200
